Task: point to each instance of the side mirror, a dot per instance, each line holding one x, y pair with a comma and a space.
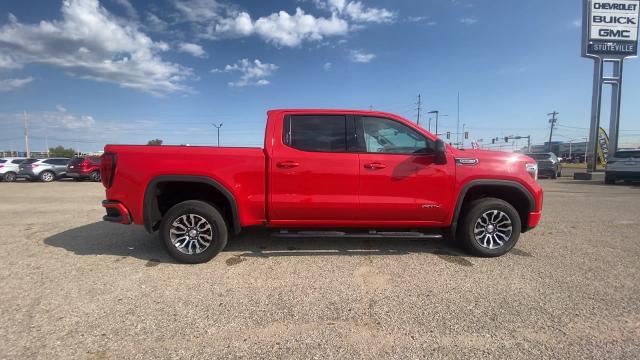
441, 152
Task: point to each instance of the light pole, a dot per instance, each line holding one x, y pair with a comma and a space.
218, 128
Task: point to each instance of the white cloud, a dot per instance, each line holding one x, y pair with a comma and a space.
468, 21
212, 19
91, 43
290, 30
12, 84
192, 49
357, 11
327, 66
7, 62
154, 23
251, 73
128, 8
359, 56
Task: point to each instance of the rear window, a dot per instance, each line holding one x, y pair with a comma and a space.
540, 156
627, 154
17, 161
326, 133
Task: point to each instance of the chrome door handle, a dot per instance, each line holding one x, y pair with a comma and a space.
375, 166
288, 164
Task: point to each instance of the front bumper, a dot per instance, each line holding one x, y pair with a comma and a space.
27, 174
534, 219
116, 212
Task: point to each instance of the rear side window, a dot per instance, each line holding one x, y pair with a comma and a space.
325, 133
17, 161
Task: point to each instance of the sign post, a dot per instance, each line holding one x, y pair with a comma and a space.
609, 35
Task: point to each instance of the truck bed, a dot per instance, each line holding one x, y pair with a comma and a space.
240, 170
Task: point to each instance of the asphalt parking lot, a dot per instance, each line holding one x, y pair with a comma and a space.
75, 287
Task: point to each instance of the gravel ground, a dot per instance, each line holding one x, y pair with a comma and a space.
76, 287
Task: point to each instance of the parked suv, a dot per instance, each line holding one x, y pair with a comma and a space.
9, 168
46, 170
84, 167
548, 164
624, 165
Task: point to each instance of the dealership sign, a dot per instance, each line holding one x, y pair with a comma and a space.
610, 28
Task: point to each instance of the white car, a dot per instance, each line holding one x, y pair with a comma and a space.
624, 165
9, 168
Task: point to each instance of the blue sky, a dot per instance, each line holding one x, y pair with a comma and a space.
126, 71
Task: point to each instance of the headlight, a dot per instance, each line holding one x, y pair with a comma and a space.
532, 169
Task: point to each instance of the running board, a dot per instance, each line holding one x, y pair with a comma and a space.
369, 235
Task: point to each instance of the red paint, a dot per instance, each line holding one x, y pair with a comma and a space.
281, 186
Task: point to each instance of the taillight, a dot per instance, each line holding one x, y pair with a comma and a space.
107, 169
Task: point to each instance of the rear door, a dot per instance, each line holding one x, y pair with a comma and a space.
400, 183
313, 178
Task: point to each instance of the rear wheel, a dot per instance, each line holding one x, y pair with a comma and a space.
193, 232
95, 176
47, 176
491, 227
10, 177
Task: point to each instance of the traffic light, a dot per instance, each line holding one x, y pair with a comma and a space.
493, 141
448, 134
506, 139
466, 134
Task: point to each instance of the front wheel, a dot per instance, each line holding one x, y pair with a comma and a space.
491, 227
193, 232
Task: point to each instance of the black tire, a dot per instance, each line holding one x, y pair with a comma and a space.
9, 177
44, 176
474, 212
95, 176
609, 179
219, 232
559, 173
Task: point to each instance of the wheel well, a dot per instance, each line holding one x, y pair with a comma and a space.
513, 195
162, 195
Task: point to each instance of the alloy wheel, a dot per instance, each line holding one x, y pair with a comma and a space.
493, 229
191, 234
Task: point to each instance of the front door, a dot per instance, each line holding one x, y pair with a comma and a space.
400, 183
314, 180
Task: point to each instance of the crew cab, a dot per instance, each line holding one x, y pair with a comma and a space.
324, 173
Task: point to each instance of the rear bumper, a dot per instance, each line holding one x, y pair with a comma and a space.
77, 175
116, 212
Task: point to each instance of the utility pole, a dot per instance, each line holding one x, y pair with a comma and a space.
46, 139
553, 122
419, 103
26, 135
218, 128
458, 123
434, 112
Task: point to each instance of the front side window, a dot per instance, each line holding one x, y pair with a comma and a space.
325, 133
388, 136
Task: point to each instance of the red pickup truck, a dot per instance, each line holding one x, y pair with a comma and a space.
324, 173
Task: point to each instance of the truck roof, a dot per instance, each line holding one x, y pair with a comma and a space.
334, 111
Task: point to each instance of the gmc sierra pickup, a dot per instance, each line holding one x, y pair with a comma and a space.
324, 173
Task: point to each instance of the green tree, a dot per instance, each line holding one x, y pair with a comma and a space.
155, 142
61, 151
